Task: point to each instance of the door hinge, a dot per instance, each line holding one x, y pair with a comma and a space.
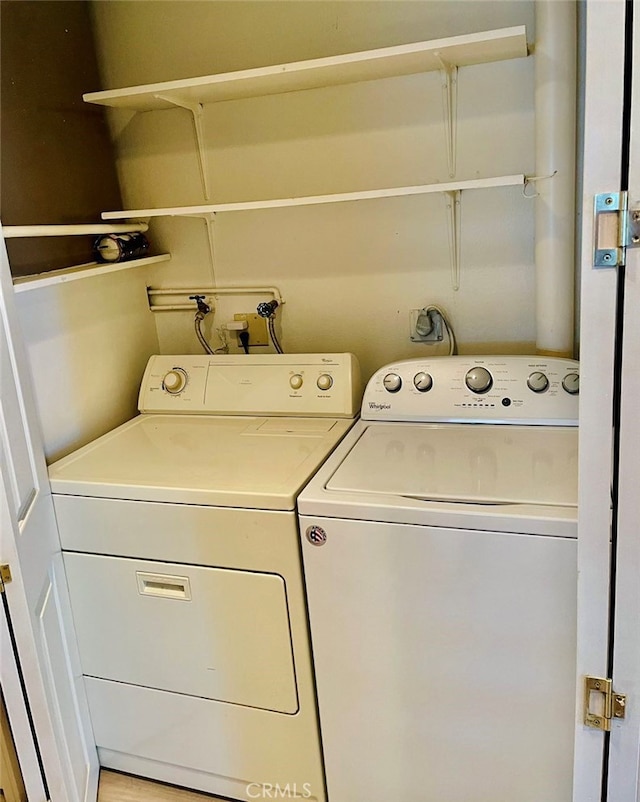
5, 576
612, 704
616, 228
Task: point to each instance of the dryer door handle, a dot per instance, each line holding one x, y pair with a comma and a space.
164, 585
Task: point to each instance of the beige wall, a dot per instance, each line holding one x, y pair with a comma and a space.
350, 273
88, 343
142, 42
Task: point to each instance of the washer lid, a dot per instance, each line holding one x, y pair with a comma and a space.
464, 463
258, 463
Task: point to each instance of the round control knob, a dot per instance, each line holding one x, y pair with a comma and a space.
538, 382
392, 382
422, 382
571, 383
296, 381
174, 381
479, 380
325, 382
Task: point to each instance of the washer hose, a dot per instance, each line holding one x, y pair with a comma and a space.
197, 323
203, 310
271, 323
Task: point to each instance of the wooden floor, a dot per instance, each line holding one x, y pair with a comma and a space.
115, 787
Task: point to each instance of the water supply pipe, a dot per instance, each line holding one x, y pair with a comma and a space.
555, 106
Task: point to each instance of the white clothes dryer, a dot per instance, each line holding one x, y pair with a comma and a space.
439, 549
182, 554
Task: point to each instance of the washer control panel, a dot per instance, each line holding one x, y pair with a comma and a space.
269, 384
491, 389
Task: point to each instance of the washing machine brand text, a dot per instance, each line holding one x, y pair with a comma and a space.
376, 405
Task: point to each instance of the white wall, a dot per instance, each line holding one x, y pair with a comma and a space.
88, 343
350, 273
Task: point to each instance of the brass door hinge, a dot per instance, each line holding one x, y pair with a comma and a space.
612, 704
5, 576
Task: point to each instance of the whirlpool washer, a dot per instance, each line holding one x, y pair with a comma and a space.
439, 548
182, 555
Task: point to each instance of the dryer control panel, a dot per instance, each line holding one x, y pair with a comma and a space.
485, 389
270, 384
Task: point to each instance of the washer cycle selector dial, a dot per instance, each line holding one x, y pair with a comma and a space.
392, 382
479, 380
175, 381
538, 382
325, 382
422, 382
296, 381
571, 383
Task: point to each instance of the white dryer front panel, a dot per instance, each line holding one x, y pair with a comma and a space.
208, 632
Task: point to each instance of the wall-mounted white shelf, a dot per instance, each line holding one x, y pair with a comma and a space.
11, 232
454, 51
313, 200
445, 55
23, 284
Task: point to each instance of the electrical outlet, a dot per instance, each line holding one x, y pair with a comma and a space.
433, 319
258, 333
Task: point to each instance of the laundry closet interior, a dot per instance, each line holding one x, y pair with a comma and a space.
410, 155
350, 272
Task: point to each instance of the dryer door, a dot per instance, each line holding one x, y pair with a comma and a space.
208, 632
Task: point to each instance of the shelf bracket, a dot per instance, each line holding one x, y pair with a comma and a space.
449, 75
196, 110
209, 219
453, 199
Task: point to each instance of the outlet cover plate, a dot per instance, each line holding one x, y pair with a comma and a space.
257, 327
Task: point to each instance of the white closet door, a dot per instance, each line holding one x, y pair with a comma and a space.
607, 765
37, 606
17, 712
624, 772
603, 80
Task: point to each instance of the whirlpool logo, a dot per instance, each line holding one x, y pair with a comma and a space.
376, 405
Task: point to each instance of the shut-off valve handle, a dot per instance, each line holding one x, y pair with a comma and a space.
267, 308
203, 308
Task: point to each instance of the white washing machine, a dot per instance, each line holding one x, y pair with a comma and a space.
182, 555
439, 549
